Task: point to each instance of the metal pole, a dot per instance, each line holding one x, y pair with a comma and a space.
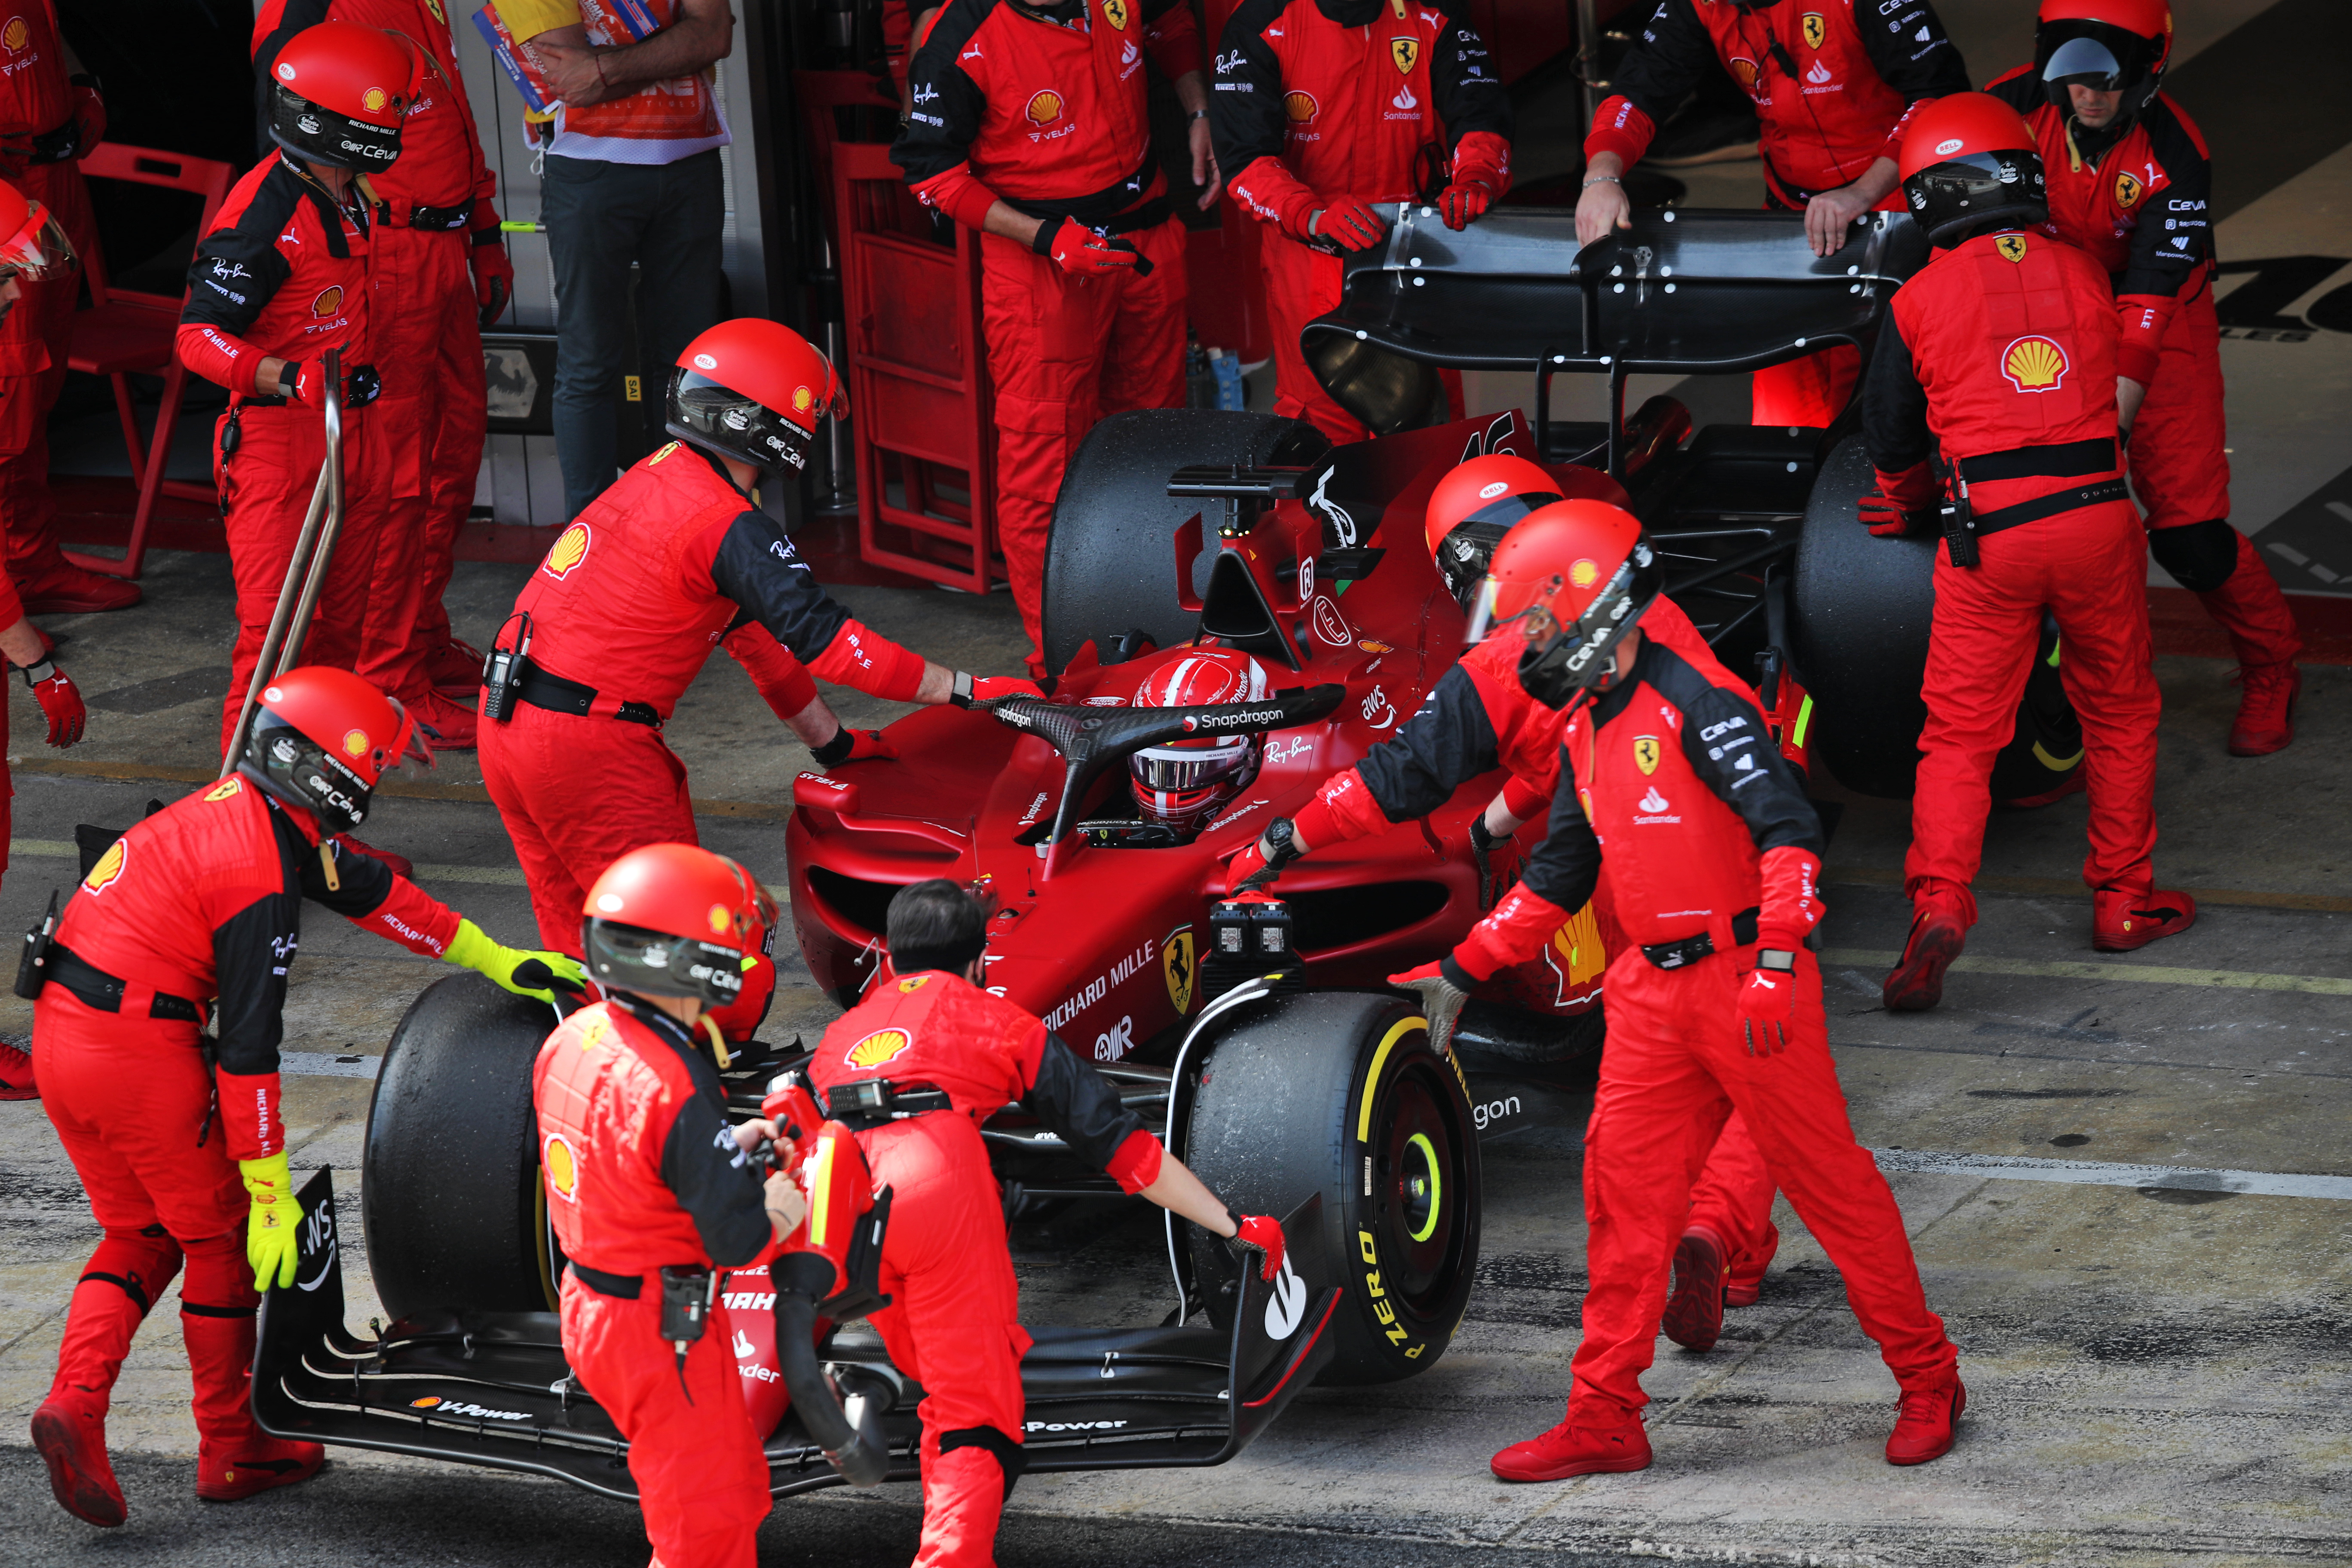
1587, 56
841, 457
323, 557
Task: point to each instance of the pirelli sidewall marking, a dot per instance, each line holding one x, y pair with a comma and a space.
1368, 1248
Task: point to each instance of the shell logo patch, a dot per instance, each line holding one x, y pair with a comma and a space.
372, 100
878, 1047
1300, 106
427, 1403
2012, 247
355, 743
566, 553
1115, 12
227, 789
1646, 752
803, 400
1817, 31
721, 922
1743, 70
2034, 364
2128, 190
563, 1167
329, 302
15, 34
1044, 107
913, 983
1406, 53
1584, 573
1176, 968
108, 868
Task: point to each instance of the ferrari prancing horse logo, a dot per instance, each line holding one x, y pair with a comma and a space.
1646, 752
2128, 190
1406, 52
1116, 11
1816, 30
2012, 247
1176, 968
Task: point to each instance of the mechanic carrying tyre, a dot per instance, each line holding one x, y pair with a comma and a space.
1833, 87
1028, 123
949, 1055
653, 1196
1322, 108
675, 558
1715, 1006
181, 1158
2130, 183
2002, 350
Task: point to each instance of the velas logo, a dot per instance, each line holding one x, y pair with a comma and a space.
566, 553
1646, 752
1584, 573
1045, 107
1406, 53
2128, 190
355, 743
329, 302
15, 34
1489, 492
2011, 245
2035, 363
561, 1166
721, 922
1300, 106
1817, 31
1948, 145
878, 1047
373, 99
108, 868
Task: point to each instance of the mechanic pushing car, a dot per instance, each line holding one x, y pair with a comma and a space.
947, 1056
183, 1159
1322, 108
653, 1195
1833, 87
659, 569
441, 273
284, 276
1029, 124
2002, 350
1715, 1005
2130, 182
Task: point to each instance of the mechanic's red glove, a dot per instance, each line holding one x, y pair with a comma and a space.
59, 698
1244, 866
1351, 222
1262, 1234
971, 690
1767, 1002
849, 745
1460, 203
1889, 519
1443, 986
493, 277
1074, 248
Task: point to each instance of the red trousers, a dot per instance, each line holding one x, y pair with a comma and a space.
35, 341
2089, 568
953, 1323
1808, 391
701, 1481
1733, 1198
266, 488
1302, 283
434, 412
1673, 1073
128, 1097
575, 794
1064, 351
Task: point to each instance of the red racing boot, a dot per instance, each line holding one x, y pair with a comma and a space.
449, 727
2123, 917
1939, 929
1743, 1277
455, 668
66, 589
1923, 1422
70, 1431
2265, 709
16, 1073
1694, 1315
1569, 1450
257, 1465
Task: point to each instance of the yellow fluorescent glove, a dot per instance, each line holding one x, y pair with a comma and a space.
471, 949
269, 1230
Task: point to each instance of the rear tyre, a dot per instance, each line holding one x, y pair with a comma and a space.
1338, 1093
451, 1197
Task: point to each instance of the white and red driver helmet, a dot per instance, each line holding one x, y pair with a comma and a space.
1181, 784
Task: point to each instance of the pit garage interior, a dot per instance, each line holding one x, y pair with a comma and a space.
2128, 1178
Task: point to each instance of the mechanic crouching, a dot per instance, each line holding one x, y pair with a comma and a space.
183, 1161
650, 1191
953, 1055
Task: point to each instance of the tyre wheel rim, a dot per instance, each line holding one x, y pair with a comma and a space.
1417, 1187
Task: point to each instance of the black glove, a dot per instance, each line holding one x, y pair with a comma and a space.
1482, 846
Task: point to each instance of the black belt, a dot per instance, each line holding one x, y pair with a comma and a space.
1106, 209
1690, 949
869, 1103
98, 989
439, 220
626, 1287
57, 146
2067, 461
541, 689
1150, 215
2050, 506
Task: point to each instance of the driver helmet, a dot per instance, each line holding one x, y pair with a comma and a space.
1470, 510
2108, 46
35, 247
338, 96
1574, 579
1969, 166
322, 739
753, 390
674, 920
1181, 784
740, 1019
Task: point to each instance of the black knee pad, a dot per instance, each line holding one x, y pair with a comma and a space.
2199, 555
1011, 1457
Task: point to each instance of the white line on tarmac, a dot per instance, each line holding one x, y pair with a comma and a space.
2143, 973
502, 875
2098, 1173
321, 1064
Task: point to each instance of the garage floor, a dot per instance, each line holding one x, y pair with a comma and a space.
2128, 1178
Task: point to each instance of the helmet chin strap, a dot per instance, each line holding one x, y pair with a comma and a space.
717, 1042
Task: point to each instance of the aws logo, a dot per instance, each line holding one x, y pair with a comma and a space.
1044, 107
563, 1167
109, 869
2035, 363
566, 553
882, 1045
1300, 106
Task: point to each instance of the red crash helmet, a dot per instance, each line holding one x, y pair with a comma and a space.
674, 920
36, 247
2107, 46
322, 740
1470, 510
338, 95
753, 390
1574, 579
1970, 166
1181, 784
740, 1019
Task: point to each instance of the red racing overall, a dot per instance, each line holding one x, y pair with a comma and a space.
2140, 208
953, 1323
1832, 86
1705, 831
2005, 347
1046, 110
285, 273
202, 900
1323, 99
623, 612
643, 1174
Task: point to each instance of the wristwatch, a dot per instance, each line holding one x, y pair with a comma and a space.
1774, 958
1275, 844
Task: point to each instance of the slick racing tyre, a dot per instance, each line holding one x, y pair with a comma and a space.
451, 1198
1110, 561
1338, 1093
